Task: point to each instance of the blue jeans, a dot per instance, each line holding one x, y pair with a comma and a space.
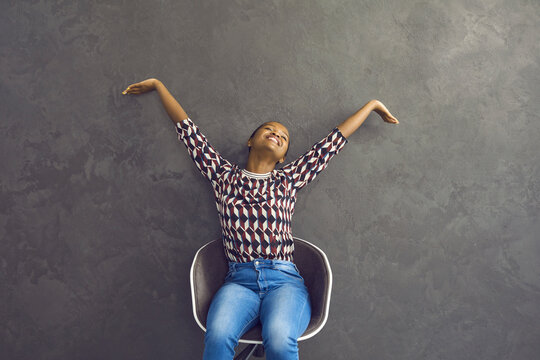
269, 291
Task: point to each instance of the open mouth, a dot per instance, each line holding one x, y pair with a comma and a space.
275, 139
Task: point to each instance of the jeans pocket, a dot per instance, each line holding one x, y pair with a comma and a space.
289, 271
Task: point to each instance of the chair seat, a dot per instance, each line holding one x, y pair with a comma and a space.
210, 267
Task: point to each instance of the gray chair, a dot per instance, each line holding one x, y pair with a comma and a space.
210, 267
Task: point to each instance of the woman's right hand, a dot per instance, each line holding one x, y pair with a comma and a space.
384, 113
141, 87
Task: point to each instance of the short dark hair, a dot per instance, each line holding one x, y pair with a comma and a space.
257, 129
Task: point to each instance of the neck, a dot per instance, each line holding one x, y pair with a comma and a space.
260, 164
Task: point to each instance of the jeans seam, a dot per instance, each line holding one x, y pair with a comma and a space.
243, 331
300, 316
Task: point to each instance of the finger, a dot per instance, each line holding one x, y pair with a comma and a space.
129, 89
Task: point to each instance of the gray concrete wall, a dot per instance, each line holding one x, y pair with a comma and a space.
432, 227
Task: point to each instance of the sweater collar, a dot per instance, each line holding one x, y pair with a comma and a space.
256, 175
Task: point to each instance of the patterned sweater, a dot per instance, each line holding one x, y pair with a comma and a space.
255, 210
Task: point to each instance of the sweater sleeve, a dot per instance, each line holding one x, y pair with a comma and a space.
209, 162
304, 169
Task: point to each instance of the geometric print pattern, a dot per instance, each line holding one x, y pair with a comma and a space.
255, 210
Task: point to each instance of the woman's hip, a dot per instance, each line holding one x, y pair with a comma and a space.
262, 275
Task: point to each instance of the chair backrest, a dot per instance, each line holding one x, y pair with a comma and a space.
210, 267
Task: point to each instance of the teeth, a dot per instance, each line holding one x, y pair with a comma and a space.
273, 138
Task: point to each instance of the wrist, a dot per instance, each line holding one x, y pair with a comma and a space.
375, 105
156, 83
378, 107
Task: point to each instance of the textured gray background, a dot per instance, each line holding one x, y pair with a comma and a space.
432, 226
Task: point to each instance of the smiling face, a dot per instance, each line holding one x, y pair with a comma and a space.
271, 136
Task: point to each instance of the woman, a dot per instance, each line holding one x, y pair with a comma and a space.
255, 206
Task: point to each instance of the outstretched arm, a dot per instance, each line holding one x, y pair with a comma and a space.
352, 123
210, 163
173, 108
